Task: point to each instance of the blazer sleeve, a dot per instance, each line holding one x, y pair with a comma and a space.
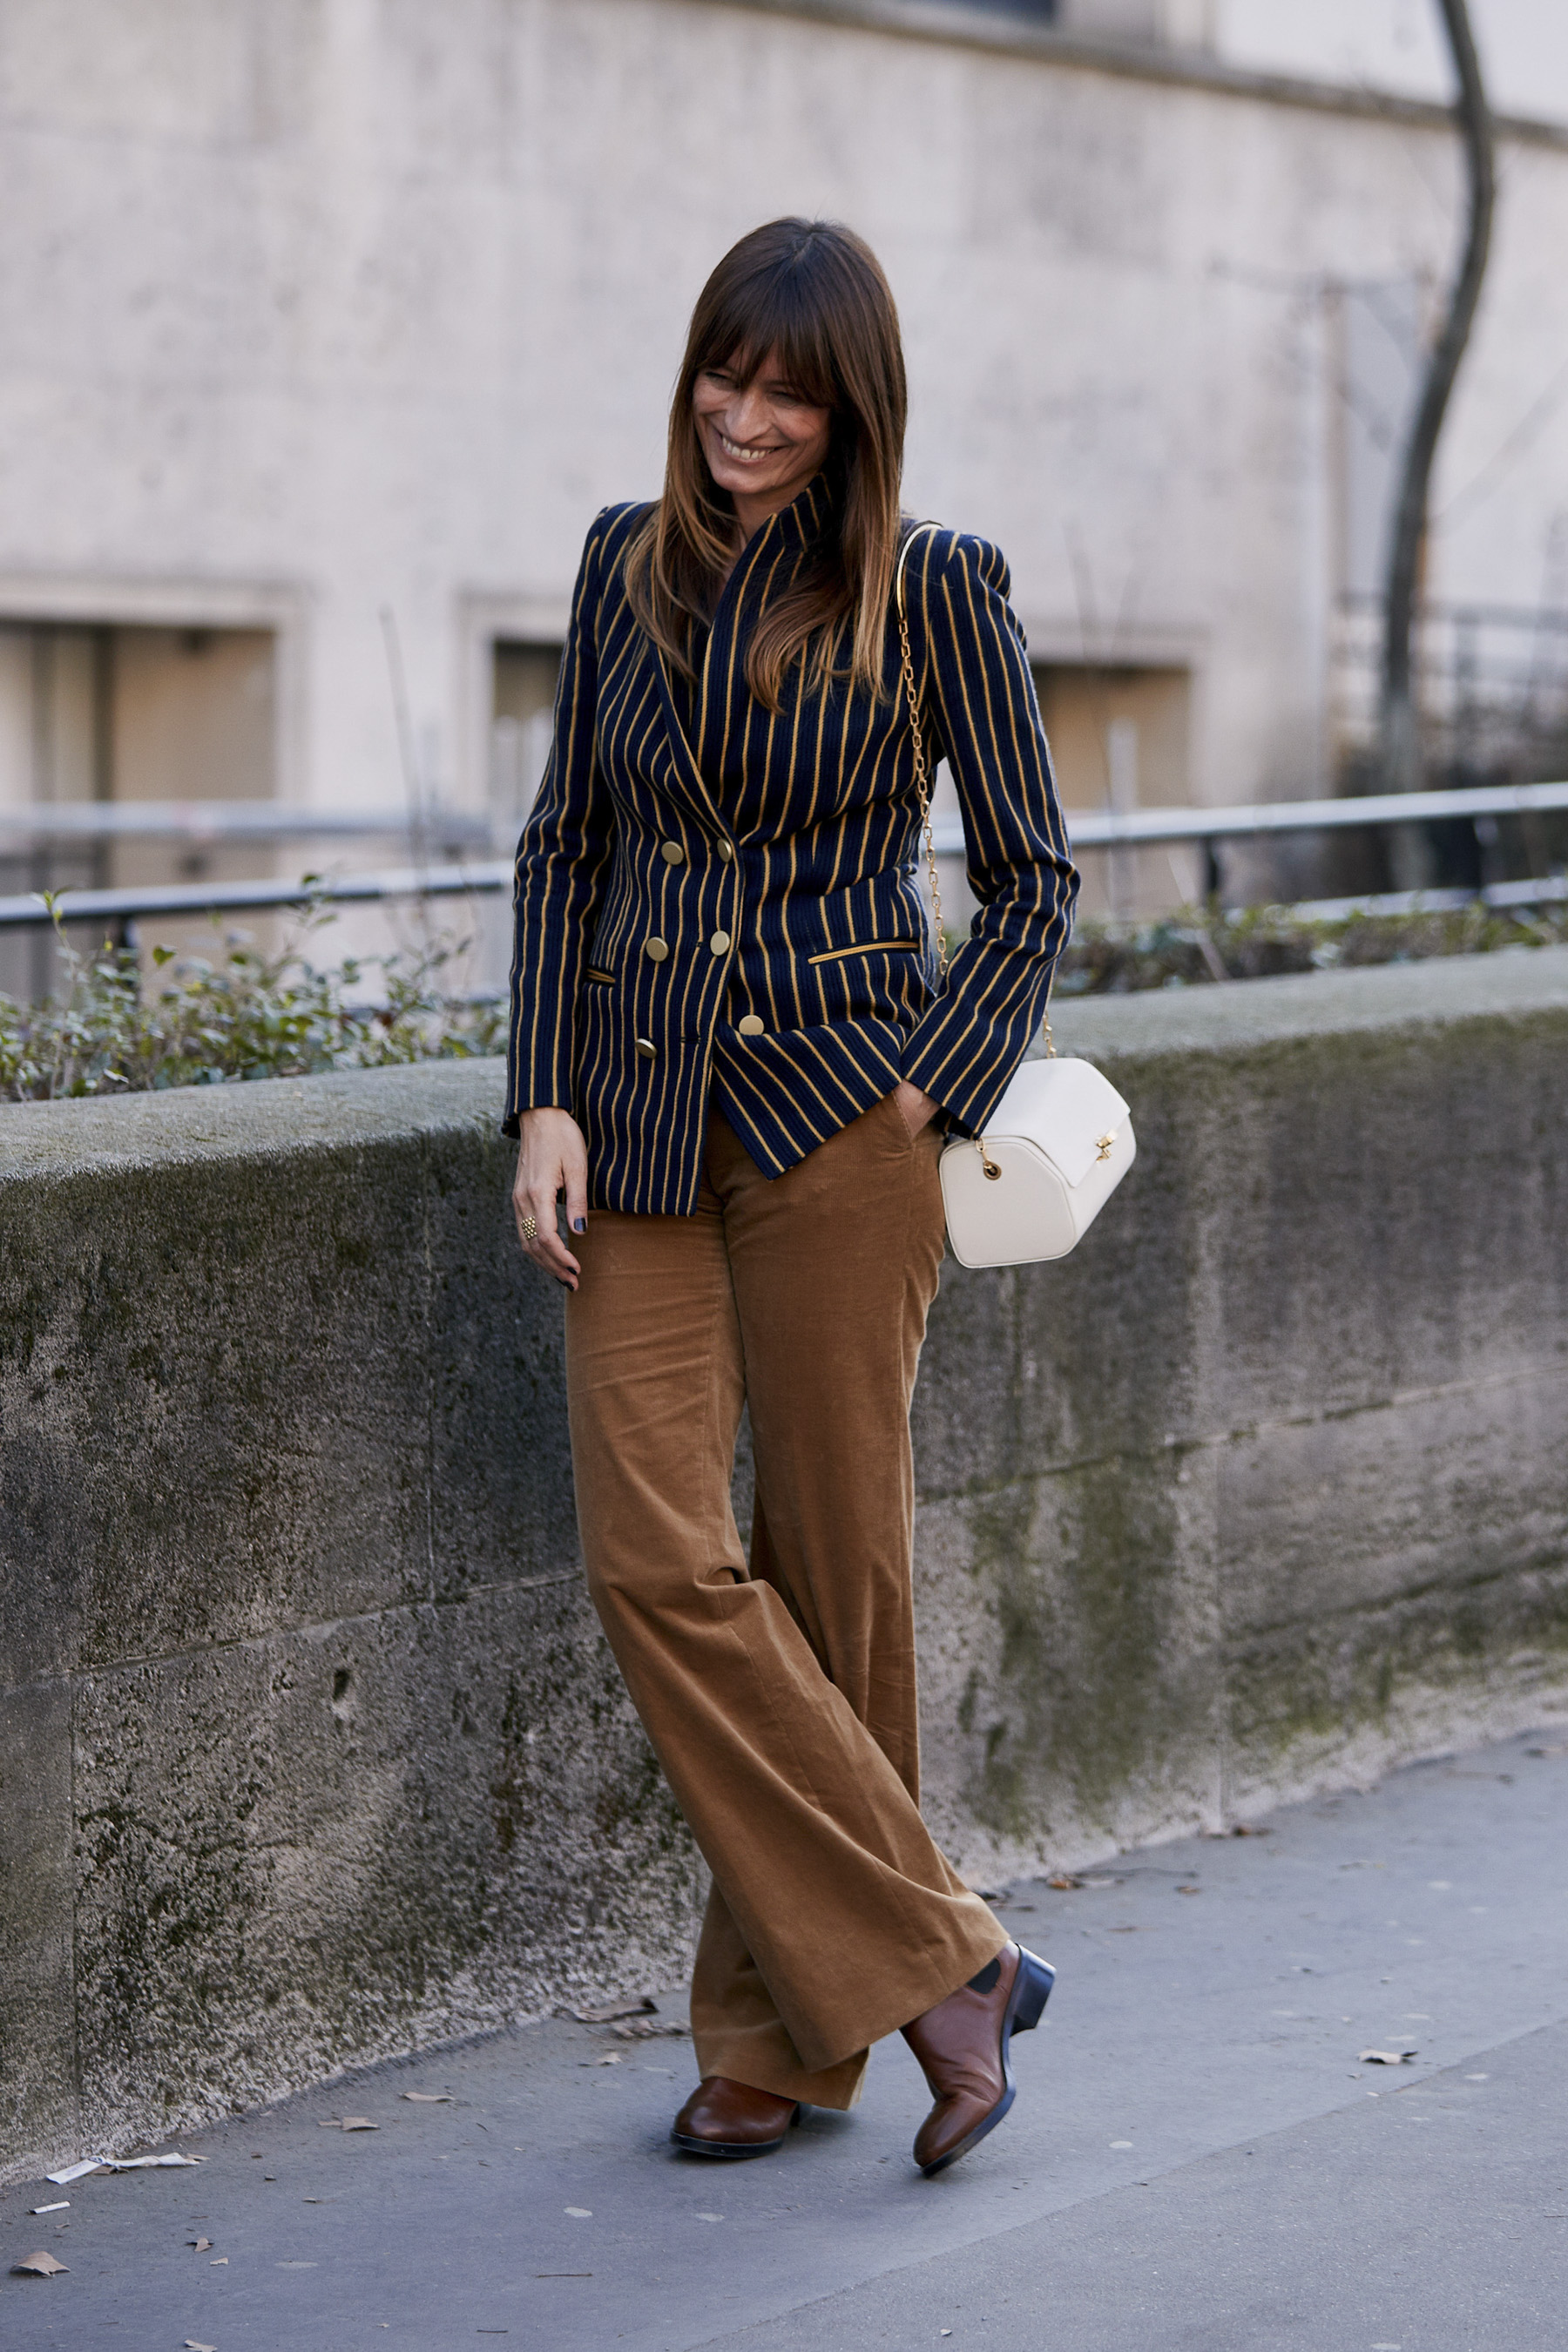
977, 684
562, 857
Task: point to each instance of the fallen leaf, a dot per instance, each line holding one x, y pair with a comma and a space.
219, 2263
200, 2244
1063, 1882
644, 2028
64, 2206
430, 2098
643, 2006
1384, 2057
359, 2123
38, 2266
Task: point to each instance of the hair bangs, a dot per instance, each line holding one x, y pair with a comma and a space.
771, 317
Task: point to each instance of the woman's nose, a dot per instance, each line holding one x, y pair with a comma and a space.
745, 419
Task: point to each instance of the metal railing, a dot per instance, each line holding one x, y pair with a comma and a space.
1137, 828
203, 824
120, 907
1088, 828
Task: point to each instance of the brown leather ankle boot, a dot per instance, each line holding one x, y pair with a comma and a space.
726, 2118
962, 2047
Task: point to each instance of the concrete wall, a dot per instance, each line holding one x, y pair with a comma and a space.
310, 1749
314, 306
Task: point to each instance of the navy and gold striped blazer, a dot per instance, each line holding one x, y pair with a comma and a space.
716, 903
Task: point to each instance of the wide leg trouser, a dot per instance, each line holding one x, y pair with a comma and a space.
779, 1694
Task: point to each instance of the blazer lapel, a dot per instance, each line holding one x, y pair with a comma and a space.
682, 758
718, 680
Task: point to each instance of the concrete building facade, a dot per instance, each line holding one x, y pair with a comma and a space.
318, 310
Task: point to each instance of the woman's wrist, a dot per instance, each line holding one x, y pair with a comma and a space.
915, 1108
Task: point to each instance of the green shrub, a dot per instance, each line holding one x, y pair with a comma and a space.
237, 1014
1194, 947
242, 1014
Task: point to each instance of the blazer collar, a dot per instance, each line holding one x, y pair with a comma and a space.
806, 517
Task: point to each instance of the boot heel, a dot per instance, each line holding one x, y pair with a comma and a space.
1036, 1978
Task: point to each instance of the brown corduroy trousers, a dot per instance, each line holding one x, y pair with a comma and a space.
780, 1692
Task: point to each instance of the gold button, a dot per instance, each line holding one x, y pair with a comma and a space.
647, 1048
750, 1026
655, 950
725, 852
672, 853
719, 943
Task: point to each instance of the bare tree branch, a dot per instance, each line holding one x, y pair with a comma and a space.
1400, 749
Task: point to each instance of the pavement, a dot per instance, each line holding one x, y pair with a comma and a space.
1198, 2156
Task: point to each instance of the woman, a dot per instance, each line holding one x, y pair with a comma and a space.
730, 1069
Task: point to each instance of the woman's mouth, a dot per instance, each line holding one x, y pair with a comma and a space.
740, 452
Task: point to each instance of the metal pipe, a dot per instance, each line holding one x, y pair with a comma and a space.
1087, 828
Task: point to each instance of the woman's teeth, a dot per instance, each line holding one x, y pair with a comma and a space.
736, 449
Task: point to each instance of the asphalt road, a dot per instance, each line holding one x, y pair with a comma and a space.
1197, 2157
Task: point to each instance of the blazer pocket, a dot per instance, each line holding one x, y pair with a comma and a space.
592, 971
866, 947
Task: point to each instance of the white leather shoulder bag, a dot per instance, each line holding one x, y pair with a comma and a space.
1060, 1139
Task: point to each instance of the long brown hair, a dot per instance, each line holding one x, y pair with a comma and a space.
813, 294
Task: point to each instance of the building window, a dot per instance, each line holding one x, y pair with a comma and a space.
1118, 737
115, 713
523, 708
1041, 12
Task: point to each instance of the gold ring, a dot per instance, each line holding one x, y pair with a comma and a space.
531, 1229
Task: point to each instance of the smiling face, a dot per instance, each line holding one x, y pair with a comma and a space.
763, 440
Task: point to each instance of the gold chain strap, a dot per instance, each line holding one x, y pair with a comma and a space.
922, 782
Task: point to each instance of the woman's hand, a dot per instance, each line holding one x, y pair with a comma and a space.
916, 1110
551, 1158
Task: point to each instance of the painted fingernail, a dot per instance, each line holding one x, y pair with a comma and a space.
579, 1225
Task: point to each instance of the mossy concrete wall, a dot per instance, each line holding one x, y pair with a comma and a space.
310, 1747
